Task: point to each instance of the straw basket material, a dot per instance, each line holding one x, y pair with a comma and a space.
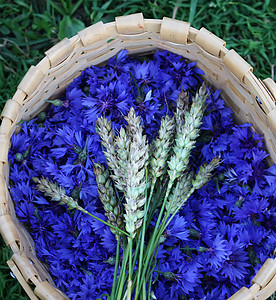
251, 99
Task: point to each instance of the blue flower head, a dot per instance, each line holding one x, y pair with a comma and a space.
237, 265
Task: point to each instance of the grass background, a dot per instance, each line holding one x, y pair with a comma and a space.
28, 28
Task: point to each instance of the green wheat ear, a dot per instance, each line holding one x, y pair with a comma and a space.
187, 130
57, 193
127, 158
108, 197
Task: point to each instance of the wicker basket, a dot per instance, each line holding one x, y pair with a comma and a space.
251, 99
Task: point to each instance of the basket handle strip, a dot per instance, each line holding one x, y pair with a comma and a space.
4, 208
140, 32
178, 35
21, 280
271, 86
264, 283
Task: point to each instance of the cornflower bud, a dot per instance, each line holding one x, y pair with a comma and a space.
19, 157
56, 102
41, 117
170, 276
111, 261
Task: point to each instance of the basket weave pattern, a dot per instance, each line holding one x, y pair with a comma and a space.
252, 100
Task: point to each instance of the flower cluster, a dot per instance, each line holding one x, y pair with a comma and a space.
211, 248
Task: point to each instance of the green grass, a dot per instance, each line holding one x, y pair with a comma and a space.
29, 28
10, 288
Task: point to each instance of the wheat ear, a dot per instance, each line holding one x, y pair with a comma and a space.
108, 197
136, 173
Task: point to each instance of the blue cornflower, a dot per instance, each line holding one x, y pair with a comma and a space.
62, 272
183, 278
119, 64
203, 211
65, 228
110, 101
73, 97
19, 173
236, 266
222, 289
98, 226
207, 123
161, 291
270, 242
228, 231
167, 96
178, 75
108, 240
268, 217
162, 252
69, 253
221, 116
140, 71
23, 191
147, 108
164, 58
216, 147
217, 252
252, 172
251, 234
72, 278
244, 141
41, 228
178, 229
25, 212
175, 254
19, 144
252, 206
34, 133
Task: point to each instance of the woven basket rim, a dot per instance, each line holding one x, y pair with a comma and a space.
254, 100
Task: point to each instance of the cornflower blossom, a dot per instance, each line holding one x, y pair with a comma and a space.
177, 229
244, 141
180, 278
251, 207
111, 101
119, 64
216, 252
237, 265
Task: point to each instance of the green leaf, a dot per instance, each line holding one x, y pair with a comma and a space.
192, 11
75, 7
69, 27
272, 4
4, 30
56, 7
